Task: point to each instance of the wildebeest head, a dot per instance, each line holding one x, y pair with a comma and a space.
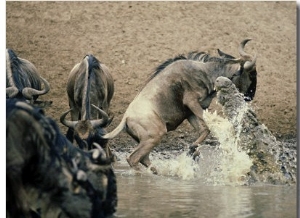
87, 132
22, 78
245, 78
242, 71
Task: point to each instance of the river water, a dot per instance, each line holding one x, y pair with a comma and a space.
213, 186
146, 195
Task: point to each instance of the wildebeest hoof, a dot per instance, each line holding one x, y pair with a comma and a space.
196, 155
154, 171
133, 165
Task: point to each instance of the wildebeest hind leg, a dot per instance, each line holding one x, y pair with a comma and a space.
146, 162
141, 154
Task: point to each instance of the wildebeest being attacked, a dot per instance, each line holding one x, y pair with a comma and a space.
90, 88
179, 89
46, 176
23, 80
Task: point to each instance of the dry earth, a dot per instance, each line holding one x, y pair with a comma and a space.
132, 38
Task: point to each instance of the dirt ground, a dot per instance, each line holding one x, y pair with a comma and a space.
132, 38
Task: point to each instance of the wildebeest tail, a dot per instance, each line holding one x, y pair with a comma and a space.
116, 131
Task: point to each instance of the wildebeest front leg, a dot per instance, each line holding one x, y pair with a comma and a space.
196, 120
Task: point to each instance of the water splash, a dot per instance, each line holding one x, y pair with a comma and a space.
247, 153
169, 165
181, 166
231, 163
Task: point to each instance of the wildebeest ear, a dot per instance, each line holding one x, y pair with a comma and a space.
224, 55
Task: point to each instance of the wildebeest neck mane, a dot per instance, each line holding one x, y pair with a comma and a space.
206, 57
165, 64
195, 56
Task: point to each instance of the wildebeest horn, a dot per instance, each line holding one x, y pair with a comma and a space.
250, 60
250, 64
67, 123
11, 92
241, 49
29, 92
98, 152
100, 122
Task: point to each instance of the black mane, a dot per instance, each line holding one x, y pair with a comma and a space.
194, 55
205, 57
165, 64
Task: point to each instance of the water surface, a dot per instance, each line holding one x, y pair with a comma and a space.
146, 195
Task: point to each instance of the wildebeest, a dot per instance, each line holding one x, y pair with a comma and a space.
181, 88
23, 80
90, 87
45, 171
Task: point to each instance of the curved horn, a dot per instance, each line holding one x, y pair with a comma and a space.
249, 59
67, 123
250, 64
100, 122
98, 152
241, 49
29, 92
11, 92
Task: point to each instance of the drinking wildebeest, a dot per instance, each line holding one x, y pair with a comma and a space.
23, 80
89, 84
179, 89
45, 171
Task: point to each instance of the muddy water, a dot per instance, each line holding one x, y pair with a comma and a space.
215, 185
146, 195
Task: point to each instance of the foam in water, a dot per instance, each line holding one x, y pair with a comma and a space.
233, 163
181, 166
